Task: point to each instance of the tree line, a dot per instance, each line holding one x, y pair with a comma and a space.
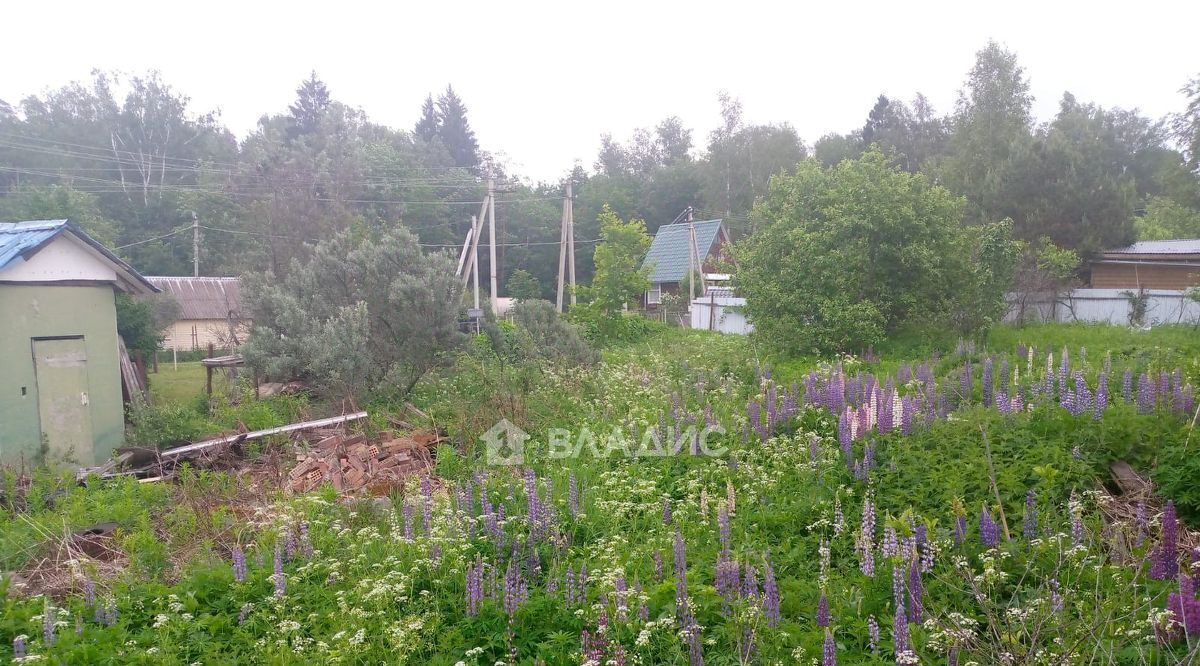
131, 160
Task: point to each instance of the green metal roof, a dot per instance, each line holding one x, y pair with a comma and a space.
668, 253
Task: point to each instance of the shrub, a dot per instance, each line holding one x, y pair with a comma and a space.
851, 253
544, 334
365, 312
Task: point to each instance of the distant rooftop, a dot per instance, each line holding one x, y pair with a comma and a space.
202, 297
1177, 246
668, 254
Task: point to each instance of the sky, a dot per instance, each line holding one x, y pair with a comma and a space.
543, 80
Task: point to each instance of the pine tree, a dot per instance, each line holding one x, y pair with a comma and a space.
455, 130
312, 100
428, 126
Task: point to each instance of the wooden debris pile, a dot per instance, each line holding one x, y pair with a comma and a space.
352, 463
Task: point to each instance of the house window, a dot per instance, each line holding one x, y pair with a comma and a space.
654, 296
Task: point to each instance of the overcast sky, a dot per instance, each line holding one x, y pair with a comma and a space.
542, 81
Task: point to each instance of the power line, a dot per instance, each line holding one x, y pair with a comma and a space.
156, 238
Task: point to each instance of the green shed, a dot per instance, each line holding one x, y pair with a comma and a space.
60, 382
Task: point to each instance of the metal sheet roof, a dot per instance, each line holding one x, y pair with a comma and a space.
668, 254
22, 240
203, 297
1177, 246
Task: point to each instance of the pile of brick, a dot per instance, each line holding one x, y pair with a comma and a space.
352, 463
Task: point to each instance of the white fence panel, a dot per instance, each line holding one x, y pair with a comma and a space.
720, 313
1163, 306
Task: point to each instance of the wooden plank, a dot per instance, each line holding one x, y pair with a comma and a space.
257, 434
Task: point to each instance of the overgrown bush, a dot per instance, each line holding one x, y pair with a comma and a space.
854, 252
368, 311
542, 333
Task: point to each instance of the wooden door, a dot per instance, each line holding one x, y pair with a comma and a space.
63, 401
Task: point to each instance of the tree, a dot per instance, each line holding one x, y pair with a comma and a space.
312, 100
523, 286
620, 279
611, 160
367, 312
429, 124
1164, 219
59, 201
849, 254
455, 131
1186, 125
992, 126
673, 141
1043, 272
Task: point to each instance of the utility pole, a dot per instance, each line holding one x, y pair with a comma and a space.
195, 245
571, 240
491, 204
691, 258
562, 248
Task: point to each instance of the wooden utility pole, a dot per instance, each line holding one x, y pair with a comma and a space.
195, 245
491, 205
691, 257
571, 240
562, 248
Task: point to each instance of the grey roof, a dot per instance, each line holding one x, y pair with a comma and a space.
668, 253
203, 297
1177, 246
19, 241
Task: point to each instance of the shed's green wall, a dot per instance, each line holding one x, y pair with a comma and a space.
31, 311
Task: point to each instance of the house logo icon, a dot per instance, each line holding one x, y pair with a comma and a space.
505, 444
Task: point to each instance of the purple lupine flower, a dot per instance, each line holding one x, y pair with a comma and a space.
289, 544
1004, 376
19, 647
960, 530
989, 531
474, 586
573, 495
1164, 387
111, 614
569, 586
900, 619
1186, 611
681, 591
830, 651
622, 590
916, 594
844, 436
1083, 396
1145, 397
515, 590
89, 593
1127, 386
306, 547
866, 539
770, 594
1030, 519
1166, 558
643, 611
658, 566
891, 545
239, 564
1142, 523
872, 633
908, 406
666, 512
723, 527
823, 610
48, 625
987, 382
279, 577
1077, 533
750, 583
1056, 600
408, 522
728, 581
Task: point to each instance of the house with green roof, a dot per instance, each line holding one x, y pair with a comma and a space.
668, 257
60, 379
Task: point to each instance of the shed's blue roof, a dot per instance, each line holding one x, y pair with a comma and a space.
668, 253
19, 239
22, 240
